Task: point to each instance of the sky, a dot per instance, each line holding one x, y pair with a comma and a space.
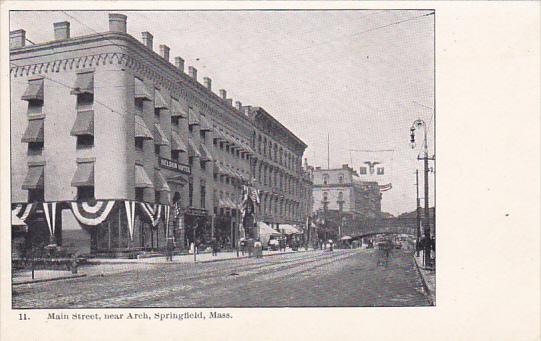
359, 77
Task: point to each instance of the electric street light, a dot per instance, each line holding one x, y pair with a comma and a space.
416, 125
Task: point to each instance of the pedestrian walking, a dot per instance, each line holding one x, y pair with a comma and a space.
214, 246
169, 249
242, 246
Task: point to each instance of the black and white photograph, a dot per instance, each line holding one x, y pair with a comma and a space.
138, 181
215, 163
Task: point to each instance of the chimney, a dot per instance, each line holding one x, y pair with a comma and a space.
345, 166
223, 94
117, 22
17, 39
164, 52
193, 72
208, 83
61, 30
230, 101
247, 110
147, 39
238, 105
179, 63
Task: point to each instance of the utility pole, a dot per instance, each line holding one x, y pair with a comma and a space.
418, 211
426, 223
427, 212
328, 152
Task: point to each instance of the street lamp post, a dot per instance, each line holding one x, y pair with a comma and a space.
325, 203
340, 208
418, 124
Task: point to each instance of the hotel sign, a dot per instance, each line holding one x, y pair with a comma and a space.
174, 166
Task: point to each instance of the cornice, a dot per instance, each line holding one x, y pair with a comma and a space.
135, 56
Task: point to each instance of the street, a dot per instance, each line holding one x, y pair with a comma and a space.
317, 278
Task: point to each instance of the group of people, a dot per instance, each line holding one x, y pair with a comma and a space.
324, 245
252, 246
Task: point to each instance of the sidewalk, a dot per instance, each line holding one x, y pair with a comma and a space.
106, 266
428, 277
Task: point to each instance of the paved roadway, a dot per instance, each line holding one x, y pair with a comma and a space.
316, 278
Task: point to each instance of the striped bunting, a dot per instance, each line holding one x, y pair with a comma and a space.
23, 211
92, 213
153, 212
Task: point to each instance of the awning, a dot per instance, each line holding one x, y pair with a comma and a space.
223, 203
205, 124
230, 172
34, 178
193, 118
219, 135
232, 141
161, 183
177, 110
221, 169
193, 151
247, 148
34, 91
141, 129
159, 100
232, 203
34, 131
266, 230
176, 143
288, 229
160, 138
84, 123
84, 175
141, 90
141, 178
205, 154
84, 84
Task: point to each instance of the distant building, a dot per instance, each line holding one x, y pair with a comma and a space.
341, 190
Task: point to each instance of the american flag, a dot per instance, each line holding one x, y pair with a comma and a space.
178, 210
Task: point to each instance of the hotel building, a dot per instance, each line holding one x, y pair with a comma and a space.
114, 148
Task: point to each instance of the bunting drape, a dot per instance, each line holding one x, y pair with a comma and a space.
130, 215
24, 211
152, 212
92, 213
49, 208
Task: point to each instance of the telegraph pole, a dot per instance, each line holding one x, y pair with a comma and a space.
426, 223
418, 211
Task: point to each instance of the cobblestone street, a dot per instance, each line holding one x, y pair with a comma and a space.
340, 278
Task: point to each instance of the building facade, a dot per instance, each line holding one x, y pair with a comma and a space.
114, 149
341, 190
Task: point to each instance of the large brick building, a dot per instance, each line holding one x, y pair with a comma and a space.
107, 134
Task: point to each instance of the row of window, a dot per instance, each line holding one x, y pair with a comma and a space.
285, 183
270, 206
277, 154
339, 199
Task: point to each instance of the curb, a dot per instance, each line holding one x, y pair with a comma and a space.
191, 262
49, 279
430, 294
243, 257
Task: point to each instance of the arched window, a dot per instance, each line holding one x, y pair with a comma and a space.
340, 179
325, 179
325, 196
340, 196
